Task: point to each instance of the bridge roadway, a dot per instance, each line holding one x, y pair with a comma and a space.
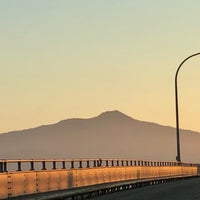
180, 190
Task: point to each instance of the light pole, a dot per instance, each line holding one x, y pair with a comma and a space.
178, 157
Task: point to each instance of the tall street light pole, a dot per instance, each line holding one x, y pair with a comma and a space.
178, 157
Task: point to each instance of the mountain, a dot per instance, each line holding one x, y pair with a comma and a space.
112, 134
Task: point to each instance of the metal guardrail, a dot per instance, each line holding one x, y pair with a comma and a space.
49, 164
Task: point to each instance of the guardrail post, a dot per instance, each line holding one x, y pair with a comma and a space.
80, 164
5, 166
63, 165
117, 162
19, 164
95, 163
32, 166
72, 164
1, 167
135, 163
112, 163
88, 164
99, 162
43, 165
54, 165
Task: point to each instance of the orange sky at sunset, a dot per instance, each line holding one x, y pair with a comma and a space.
64, 59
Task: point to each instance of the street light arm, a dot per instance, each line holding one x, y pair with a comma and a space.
178, 157
183, 63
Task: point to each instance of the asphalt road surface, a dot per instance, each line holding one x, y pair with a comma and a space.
179, 190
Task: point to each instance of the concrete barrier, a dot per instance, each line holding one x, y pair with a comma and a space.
21, 183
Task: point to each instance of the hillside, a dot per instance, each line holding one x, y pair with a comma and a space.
110, 135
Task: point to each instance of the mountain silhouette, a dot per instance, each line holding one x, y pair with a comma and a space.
112, 134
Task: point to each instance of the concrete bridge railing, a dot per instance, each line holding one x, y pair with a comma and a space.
26, 177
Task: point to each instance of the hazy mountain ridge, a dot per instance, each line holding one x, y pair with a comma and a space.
110, 134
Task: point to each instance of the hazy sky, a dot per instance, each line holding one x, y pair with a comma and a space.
77, 58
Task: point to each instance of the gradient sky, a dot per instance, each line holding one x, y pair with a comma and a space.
77, 58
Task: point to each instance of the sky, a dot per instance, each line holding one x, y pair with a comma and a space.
63, 59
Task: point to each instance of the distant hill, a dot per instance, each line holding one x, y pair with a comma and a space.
112, 134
